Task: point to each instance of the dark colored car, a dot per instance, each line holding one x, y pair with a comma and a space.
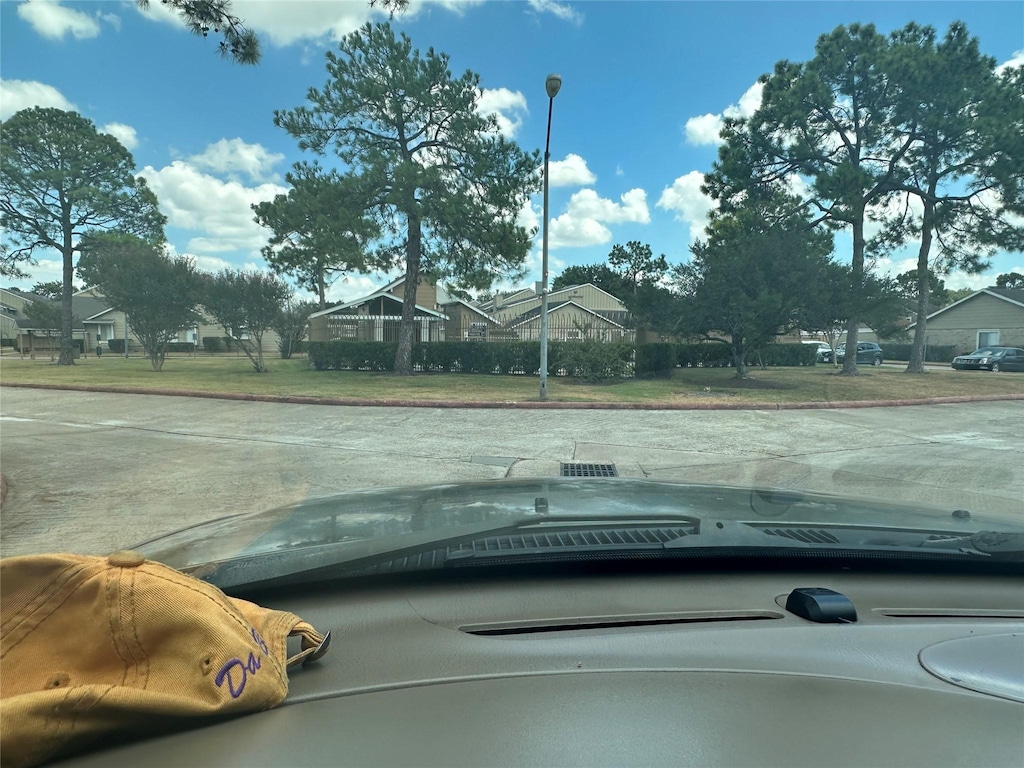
867, 352
992, 359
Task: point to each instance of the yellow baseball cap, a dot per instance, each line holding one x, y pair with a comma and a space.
97, 647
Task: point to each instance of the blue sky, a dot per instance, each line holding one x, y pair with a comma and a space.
644, 85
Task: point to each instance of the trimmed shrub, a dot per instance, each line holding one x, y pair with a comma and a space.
934, 353
352, 355
708, 354
655, 360
590, 360
784, 354
116, 346
211, 343
229, 343
181, 346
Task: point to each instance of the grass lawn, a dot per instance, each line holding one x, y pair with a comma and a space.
228, 373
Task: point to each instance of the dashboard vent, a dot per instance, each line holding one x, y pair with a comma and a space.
584, 469
608, 539
808, 535
613, 622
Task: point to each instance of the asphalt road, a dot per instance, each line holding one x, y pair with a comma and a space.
95, 472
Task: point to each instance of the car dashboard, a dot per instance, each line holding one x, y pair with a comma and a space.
656, 668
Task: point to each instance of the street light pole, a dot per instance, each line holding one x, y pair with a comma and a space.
552, 86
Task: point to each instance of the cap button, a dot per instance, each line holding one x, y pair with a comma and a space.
126, 558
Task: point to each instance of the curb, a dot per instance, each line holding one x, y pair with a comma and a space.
521, 405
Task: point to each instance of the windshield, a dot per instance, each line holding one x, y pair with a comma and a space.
309, 283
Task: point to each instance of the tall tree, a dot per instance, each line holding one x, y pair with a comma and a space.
965, 164
909, 287
748, 281
320, 230
246, 304
52, 289
1010, 280
157, 293
445, 185
60, 179
636, 263
829, 120
204, 16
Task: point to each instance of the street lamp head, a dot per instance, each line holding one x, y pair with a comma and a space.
552, 85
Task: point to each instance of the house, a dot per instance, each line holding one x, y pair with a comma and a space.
20, 332
377, 317
12, 308
991, 316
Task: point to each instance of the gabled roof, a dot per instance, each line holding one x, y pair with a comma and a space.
559, 292
88, 308
384, 292
1012, 295
535, 312
472, 308
26, 295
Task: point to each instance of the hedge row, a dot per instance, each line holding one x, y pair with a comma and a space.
660, 359
588, 360
585, 360
935, 353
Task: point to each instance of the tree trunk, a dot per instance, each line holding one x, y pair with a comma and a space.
737, 356
321, 289
916, 364
67, 356
857, 263
407, 328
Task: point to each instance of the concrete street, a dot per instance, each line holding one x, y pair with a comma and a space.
94, 472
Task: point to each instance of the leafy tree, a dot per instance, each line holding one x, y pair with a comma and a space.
908, 287
636, 264
965, 163
1010, 280
444, 184
61, 179
291, 325
52, 289
830, 120
246, 304
157, 293
601, 275
205, 16
44, 316
748, 281
958, 294
320, 230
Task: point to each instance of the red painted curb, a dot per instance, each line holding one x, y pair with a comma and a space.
523, 405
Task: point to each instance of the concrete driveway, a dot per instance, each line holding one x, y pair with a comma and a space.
94, 472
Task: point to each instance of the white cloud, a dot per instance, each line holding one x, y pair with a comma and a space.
16, 95
1017, 60
217, 211
528, 217
586, 215
562, 11
355, 286
619, 171
690, 205
571, 172
112, 19
123, 133
233, 156
285, 23
704, 129
51, 19
507, 106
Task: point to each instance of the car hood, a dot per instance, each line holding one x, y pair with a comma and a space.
381, 520
975, 356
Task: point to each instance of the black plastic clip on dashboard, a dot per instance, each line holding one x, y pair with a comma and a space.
821, 605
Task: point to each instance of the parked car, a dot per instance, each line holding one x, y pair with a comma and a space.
867, 352
991, 358
821, 349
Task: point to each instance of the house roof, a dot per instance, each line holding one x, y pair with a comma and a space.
384, 292
535, 312
27, 295
1012, 295
87, 307
469, 306
558, 293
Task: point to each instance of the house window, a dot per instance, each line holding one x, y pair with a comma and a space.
988, 338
